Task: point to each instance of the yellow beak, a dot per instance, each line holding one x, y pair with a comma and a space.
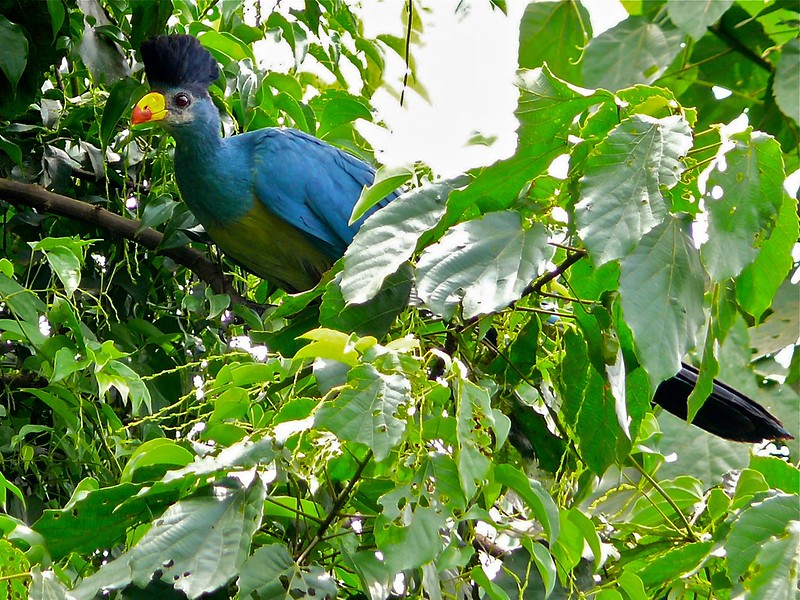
152, 107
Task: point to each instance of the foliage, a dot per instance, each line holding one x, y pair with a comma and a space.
161, 438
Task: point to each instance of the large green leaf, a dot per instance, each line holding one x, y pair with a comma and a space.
696, 16
547, 107
389, 237
760, 280
621, 196
365, 411
13, 51
91, 509
768, 516
661, 284
376, 315
778, 557
745, 191
787, 80
272, 574
205, 538
485, 264
635, 51
597, 428
554, 33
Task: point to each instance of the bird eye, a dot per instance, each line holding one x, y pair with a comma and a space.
182, 100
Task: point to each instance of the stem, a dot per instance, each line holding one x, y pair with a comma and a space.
338, 504
410, 10
689, 532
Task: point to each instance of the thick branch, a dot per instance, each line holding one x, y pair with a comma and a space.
34, 196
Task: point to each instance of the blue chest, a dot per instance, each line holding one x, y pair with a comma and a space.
217, 188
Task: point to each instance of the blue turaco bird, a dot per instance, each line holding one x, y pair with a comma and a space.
278, 202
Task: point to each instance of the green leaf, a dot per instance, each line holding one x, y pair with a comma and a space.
57, 14
696, 16
339, 110
787, 80
659, 568
12, 150
332, 344
388, 239
547, 106
777, 565
544, 563
778, 473
62, 402
226, 46
90, 510
589, 533
6, 486
127, 383
14, 567
661, 285
759, 282
206, 538
494, 591
653, 510
65, 256
535, 497
554, 33
621, 194
634, 51
148, 18
387, 180
24, 303
13, 51
373, 317
365, 411
159, 452
119, 101
478, 430
764, 518
412, 539
241, 455
597, 428
745, 190
484, 264
272, 574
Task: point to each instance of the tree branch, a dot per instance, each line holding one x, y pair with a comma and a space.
34, 196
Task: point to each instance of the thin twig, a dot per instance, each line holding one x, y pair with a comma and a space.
338, 504
410, 11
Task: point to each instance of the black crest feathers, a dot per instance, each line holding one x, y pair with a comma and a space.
178, 61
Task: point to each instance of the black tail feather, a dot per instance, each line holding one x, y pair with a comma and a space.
726, 413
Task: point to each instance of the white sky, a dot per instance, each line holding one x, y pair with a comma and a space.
467, 64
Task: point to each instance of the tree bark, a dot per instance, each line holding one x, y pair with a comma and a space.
34, 196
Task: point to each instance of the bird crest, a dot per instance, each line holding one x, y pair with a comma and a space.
178, 61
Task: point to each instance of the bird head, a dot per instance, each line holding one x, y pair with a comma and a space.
179, 71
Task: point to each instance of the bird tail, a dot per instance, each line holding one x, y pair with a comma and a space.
726, 413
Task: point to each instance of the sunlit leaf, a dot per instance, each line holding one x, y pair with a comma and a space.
621, 195
634, 51
661, 285
484, 264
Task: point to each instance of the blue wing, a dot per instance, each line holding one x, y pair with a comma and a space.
309, 183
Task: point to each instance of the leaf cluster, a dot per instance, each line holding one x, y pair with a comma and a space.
462, 407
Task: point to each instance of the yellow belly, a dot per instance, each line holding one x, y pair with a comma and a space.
272, 249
